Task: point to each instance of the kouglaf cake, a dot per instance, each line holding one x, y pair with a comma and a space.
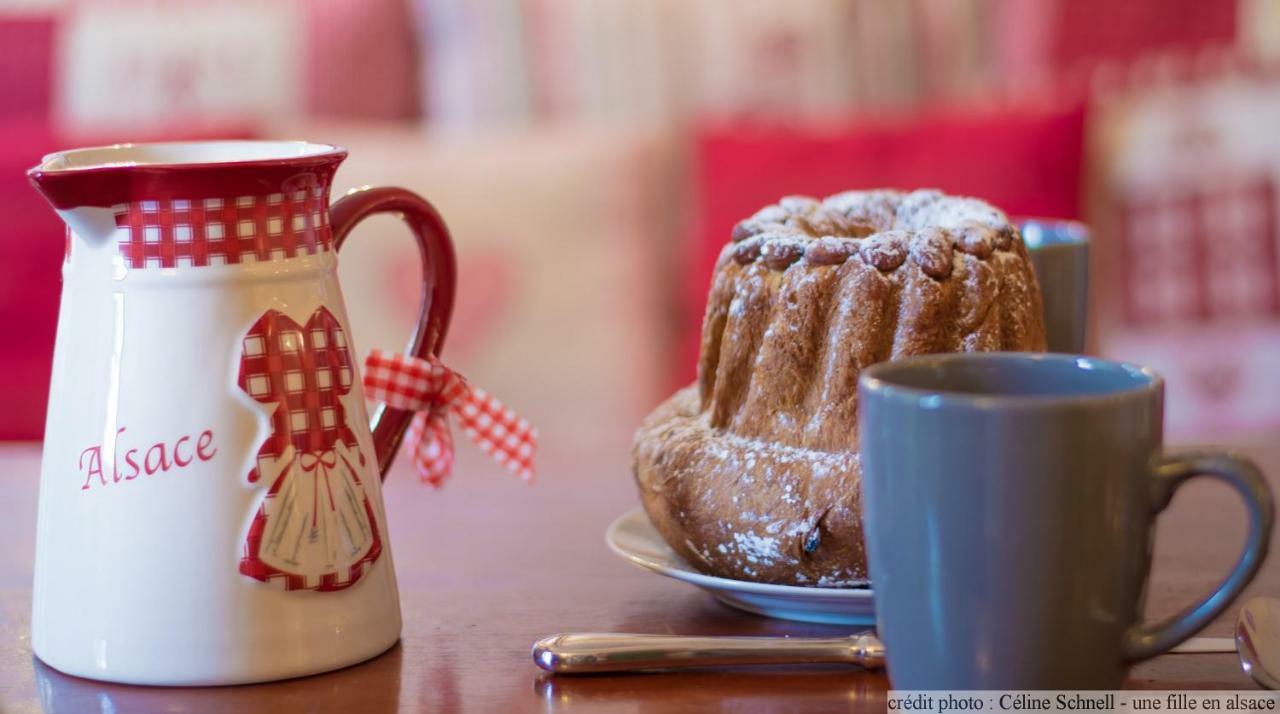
752, 473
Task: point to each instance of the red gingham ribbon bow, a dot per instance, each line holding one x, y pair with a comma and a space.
428, 387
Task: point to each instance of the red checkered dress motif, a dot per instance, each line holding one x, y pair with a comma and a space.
315, 528
172, 233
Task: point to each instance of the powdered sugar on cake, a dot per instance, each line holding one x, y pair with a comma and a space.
754, 539
874, 225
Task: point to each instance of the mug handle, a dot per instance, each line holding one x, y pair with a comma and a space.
439, 279
1168, 473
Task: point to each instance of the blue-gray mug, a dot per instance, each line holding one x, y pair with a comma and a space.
1008, 509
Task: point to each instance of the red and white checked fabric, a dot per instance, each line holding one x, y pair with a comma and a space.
1204, 253
198, 232
428, 387
315, 528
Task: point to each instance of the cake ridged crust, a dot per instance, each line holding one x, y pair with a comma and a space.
753, 472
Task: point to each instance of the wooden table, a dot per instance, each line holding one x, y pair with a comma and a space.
488, 565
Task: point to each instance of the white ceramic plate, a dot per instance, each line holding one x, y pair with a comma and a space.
634, 538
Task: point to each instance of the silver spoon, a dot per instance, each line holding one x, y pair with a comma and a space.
592, 652
1258, 640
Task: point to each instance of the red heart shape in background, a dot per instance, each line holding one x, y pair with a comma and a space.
487, 280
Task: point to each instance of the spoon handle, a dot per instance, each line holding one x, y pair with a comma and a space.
586, 653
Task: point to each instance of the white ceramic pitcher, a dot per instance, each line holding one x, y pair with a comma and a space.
210, 500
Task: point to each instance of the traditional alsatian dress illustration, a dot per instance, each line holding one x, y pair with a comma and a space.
315, 528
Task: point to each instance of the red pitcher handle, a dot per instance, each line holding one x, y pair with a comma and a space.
439, 278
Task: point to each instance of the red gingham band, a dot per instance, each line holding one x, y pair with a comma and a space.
169, 233
430, 388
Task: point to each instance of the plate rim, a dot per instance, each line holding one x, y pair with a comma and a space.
715, 582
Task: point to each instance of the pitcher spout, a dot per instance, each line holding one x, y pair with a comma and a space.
110, 175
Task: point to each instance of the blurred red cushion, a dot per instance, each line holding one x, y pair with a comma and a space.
1093, 31
26, 75
361, 59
